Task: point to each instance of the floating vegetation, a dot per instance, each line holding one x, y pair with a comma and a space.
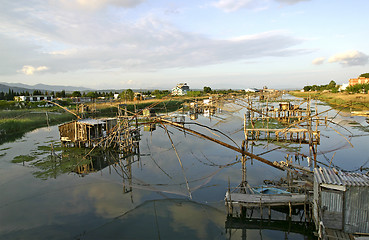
361, 128
49, 148
23, 158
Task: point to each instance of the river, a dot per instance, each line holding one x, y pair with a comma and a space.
46, 196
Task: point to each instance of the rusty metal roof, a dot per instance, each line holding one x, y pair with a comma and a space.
329, 176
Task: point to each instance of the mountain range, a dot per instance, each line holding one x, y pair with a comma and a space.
20, 87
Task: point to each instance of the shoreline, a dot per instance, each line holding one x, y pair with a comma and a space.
348, 102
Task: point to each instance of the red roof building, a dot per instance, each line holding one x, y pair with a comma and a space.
360, 80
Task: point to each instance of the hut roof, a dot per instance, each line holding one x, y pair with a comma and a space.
328, 176
90, 121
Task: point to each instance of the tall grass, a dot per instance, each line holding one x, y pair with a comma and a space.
14, 124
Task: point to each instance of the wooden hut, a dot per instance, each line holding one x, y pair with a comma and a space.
341, 201
149, 113
85, 132
284, 106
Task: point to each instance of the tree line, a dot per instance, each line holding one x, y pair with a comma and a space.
331, 86
127, 94
62, 94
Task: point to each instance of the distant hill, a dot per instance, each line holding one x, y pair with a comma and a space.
19, 87
5, 88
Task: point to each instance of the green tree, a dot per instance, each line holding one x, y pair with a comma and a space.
331, 85
76, 94
91, 95
127, 95
207, 89
365, 75
37, 92
307, 88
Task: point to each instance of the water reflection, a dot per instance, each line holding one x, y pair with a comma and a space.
66, 194
246, 225
163, 219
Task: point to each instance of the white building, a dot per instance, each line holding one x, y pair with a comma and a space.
181, 89
343, 87
36, 98
252, 90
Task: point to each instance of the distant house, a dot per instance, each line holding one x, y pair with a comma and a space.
81, 99
181, 89
360, 80
35, 98
343, 87
252, 90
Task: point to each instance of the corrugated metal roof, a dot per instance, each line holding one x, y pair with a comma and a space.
328, 176
91, 121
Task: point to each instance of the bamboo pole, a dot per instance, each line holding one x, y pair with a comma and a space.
223, 144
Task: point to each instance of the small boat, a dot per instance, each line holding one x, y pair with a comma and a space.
269, 190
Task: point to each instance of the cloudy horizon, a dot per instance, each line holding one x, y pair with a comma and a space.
117, 44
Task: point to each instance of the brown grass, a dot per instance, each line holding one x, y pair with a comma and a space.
357, 101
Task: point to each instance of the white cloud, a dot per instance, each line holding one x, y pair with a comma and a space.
98, 4
71, 42
290, 2
30, 70
318, 61
350, 58
234, 5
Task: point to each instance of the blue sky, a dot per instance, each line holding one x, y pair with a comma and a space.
120, 44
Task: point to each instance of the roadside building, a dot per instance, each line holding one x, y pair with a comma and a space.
81, 99
181, 89
35, 98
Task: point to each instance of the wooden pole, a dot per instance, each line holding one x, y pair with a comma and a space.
222, 143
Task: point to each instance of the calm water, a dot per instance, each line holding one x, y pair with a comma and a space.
146, 197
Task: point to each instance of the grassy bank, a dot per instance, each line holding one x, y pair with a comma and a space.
346, 101
160, 106
15, 123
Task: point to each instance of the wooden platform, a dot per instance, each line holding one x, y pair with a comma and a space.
293, 134
257, 200
332, 234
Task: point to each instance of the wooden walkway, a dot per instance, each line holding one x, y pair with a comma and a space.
293, 134
332, 234
257, 200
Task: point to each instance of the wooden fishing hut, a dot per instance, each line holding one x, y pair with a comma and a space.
299, 135
194, 116
149, 113
150, 127
85, 132
206, 106
341, 203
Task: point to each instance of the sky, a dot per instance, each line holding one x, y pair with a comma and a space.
155, 44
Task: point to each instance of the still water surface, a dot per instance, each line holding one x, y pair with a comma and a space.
146, 196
